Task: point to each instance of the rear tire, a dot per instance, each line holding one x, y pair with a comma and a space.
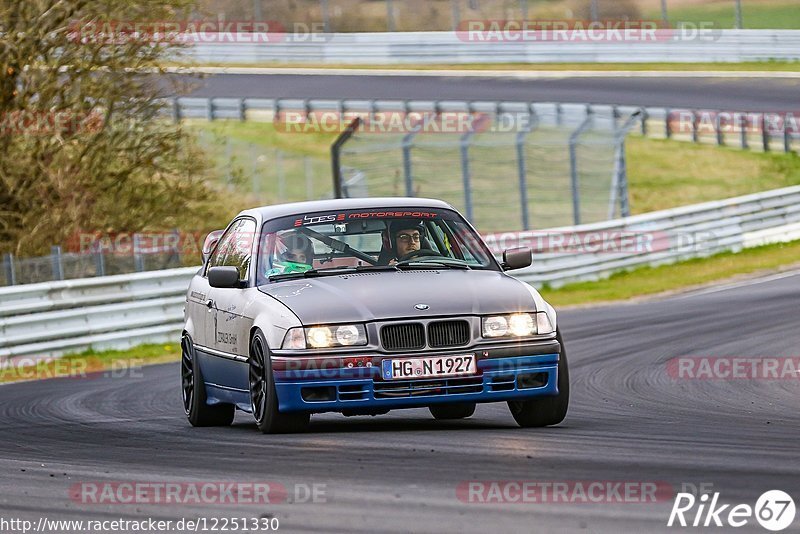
545, 411
263, 396
461, 410
193, 390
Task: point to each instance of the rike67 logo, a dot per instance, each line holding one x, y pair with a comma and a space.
774, 510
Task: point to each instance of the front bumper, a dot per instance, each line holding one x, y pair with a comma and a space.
359, 390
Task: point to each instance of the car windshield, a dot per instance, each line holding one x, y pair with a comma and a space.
316, 244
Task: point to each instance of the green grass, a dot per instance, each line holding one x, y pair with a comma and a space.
666, 173
764, 14
119, 363
653, 280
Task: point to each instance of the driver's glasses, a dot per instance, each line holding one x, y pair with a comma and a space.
408, 238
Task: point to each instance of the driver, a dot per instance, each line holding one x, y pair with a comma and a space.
295, 253
406, 236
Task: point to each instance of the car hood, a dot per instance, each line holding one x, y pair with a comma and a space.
368, 296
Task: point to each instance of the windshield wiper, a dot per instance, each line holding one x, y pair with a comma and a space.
452, 264
342, 269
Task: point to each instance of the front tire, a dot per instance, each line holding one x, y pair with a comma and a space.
263, 396
460, 410
193, 392
545, 411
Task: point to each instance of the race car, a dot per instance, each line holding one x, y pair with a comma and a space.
362, 306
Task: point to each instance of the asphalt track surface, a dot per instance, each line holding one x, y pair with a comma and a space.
731, 94
628, 421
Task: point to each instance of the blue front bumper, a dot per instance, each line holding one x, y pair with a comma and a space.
498, 379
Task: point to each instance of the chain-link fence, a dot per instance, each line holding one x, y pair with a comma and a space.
266, 175
532, 166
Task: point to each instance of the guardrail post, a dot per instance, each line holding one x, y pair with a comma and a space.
210, 109
764, 133
667, 127
559, 115
176, 110
787, 140
645, 116
99, 263
8, 263
743, 124
58, 267
242, 109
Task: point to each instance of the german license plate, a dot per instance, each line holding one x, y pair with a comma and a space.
411, 368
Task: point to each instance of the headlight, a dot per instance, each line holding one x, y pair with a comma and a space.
320, 337
516, 325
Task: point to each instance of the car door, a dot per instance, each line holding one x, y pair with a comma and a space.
229, 326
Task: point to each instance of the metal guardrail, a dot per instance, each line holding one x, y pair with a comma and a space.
454, 48
54, 318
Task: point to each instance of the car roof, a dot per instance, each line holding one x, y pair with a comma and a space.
316, 206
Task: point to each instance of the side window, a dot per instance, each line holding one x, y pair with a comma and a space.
235, 248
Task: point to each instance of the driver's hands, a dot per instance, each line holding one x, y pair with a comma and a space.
393, 261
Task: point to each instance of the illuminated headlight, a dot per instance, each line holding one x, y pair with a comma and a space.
320, 337
516, 325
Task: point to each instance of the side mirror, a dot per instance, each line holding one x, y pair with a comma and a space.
210, 242
224, 277
516, 258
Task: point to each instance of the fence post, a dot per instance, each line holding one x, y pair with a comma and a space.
522, 171
326, 19
619, 185
309, 177
242, 109
456, 13
573, 167
256, 174
764, 133
389, 15
281, 176
738, 14
58, 267
523, 7
336, 148
11, 275
718, 127
465, 175
695, 136
407, 145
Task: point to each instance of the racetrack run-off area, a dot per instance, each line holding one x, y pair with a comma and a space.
632, 419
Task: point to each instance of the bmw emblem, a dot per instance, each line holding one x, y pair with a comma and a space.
421, 306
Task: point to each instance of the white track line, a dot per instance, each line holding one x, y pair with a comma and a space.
736, 285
